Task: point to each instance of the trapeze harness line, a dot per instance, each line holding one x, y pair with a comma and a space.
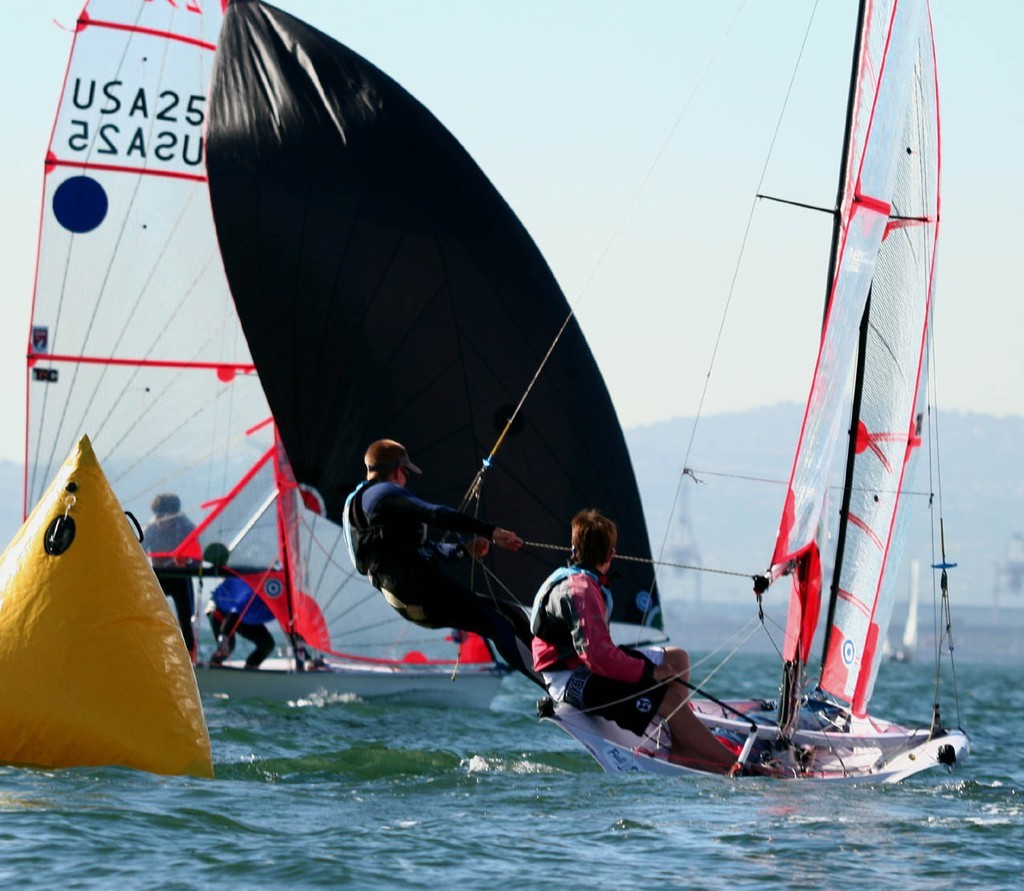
355, 524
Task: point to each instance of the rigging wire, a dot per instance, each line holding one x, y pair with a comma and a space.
941, 612
473, 491
474, 486
694, 471
735, 275
651, 561
747, 631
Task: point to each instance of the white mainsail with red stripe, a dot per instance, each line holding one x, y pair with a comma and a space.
134, 335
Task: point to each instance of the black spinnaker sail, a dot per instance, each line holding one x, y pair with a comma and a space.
387, 290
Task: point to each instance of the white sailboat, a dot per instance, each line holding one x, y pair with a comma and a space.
908, 643
135, 340
870, 373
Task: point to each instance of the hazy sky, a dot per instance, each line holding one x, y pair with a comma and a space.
630, 139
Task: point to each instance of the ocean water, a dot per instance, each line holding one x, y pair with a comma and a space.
388, 795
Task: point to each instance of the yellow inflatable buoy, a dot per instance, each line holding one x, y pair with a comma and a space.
93, 668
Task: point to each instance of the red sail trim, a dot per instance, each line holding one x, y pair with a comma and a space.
836, 672
219, 367
52, 162
867, 440
780, 557
258, 582
783, 547
308, 620
270, 586
866, 529
859, 704
874, 108
256, 427
35, 273
86, 22
308, 624
860, 692
905, 223
869, 203
377, 660
804, 604
181, 555
855, 601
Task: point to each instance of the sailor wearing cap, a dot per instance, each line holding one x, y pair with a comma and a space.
386, 527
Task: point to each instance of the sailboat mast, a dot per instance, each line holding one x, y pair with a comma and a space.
844, 163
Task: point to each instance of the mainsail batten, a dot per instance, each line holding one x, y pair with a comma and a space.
87, 21
124, 168
222, 368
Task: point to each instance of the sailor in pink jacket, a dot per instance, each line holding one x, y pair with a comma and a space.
570, 627
582, 666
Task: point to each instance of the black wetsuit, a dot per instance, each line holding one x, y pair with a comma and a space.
387, 527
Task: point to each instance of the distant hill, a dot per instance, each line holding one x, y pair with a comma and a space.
727, 519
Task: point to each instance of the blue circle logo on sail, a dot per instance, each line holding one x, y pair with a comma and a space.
643, 600
849, 652
272, 587
80, 204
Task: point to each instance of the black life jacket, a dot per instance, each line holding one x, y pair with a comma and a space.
359, 534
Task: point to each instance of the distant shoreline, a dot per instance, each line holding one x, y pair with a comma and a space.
981, 635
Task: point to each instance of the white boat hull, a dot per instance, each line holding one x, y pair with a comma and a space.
867, 751
472, 686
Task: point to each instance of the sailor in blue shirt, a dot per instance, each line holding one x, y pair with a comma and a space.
236, 608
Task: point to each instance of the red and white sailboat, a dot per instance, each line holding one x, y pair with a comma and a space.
870, 374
